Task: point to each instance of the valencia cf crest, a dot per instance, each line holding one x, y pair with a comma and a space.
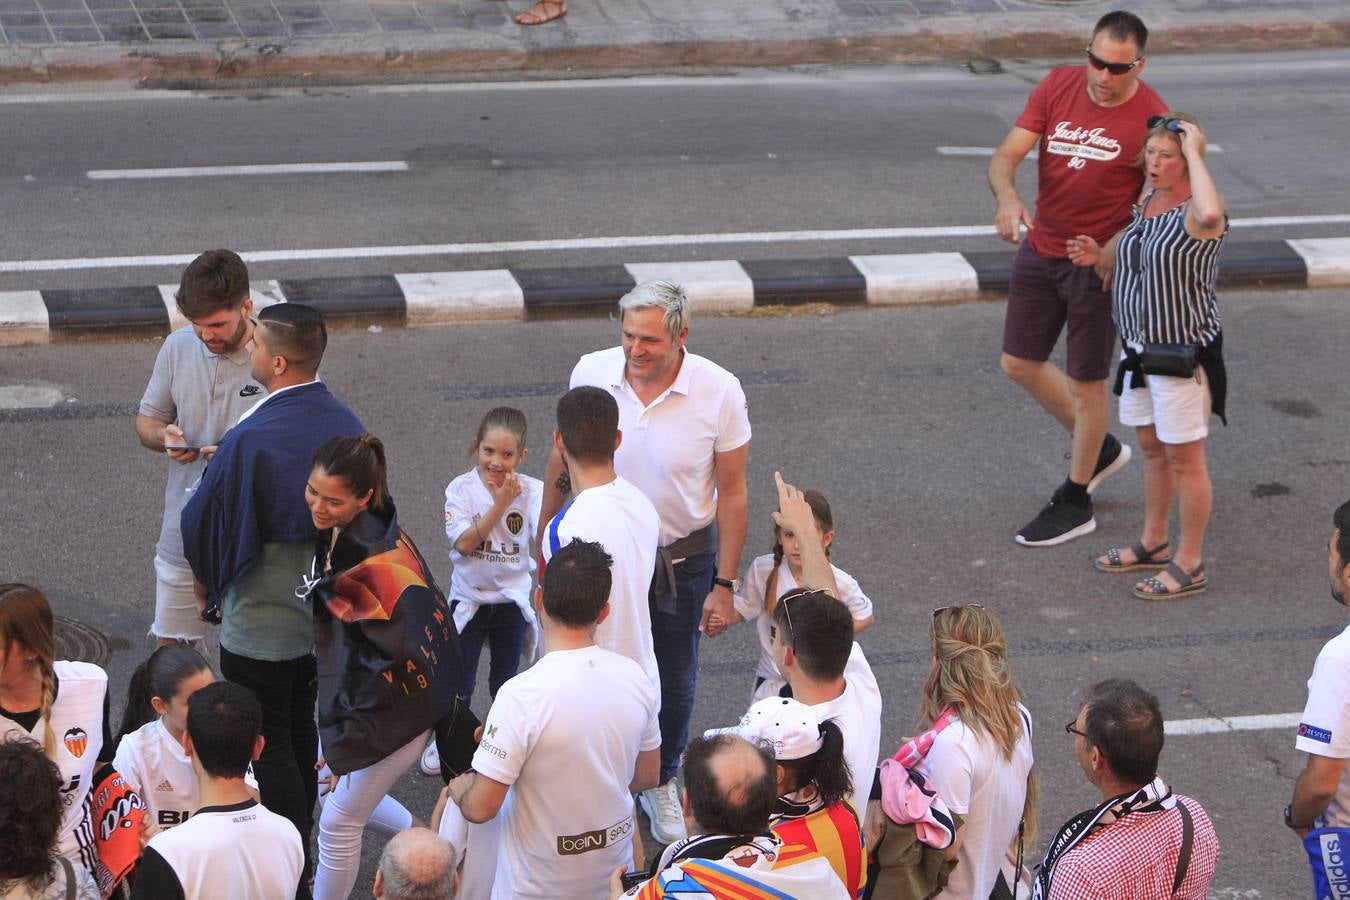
77, 741
514, 522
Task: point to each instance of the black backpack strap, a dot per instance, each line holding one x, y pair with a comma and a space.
1184, 858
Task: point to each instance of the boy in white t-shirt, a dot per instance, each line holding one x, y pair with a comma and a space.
232, 846
612, 512
559, 768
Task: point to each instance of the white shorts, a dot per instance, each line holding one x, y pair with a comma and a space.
1177, 408
176, 615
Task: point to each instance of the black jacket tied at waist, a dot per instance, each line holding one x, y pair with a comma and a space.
1210, 358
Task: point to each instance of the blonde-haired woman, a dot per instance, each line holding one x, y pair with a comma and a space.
1171, 377
978, 747
61, 705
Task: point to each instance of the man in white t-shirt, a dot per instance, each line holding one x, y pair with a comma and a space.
812, 644
1322, 792
611, 512
232, 845
565, 746
201, 385
686, 442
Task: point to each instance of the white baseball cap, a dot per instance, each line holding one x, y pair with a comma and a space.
789, 727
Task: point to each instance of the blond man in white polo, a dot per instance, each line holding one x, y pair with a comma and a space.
685, 442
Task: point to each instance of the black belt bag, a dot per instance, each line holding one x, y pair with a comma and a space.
1172, 360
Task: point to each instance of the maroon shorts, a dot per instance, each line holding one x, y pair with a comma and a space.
1045, 294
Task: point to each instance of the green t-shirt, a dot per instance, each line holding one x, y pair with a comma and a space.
261, 618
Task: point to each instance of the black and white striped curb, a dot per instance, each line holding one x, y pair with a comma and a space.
427, 298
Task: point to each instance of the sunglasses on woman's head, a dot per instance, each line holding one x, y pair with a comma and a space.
1172, 125
1114, 68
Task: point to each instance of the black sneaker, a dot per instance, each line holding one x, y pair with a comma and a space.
1060, 521
1112, 458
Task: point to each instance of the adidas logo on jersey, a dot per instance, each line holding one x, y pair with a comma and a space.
164, 786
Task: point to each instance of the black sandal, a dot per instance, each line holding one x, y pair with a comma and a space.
1143, 559
1188, 583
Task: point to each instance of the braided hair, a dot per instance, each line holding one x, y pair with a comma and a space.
26, 619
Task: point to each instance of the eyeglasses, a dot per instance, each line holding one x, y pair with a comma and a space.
1172, 125
1071, 728
1114, 68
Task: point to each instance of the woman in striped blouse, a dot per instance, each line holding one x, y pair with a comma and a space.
1165, 265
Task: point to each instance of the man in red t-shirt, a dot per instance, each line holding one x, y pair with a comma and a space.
1090, 122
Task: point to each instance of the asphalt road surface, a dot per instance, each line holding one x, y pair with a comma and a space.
931, 460
816, 150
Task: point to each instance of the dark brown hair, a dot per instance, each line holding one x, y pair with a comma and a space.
30, 817
505, 417
213, 282
360, 462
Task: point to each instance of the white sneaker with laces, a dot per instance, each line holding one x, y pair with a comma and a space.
662, 805
431, 759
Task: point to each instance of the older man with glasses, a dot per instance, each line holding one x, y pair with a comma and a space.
1142, 835
1089, 123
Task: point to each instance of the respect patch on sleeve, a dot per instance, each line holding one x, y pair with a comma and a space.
1312, 732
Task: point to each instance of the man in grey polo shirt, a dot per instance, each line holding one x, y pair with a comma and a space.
200, 386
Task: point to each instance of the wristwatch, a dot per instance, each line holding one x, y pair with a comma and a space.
733, 584
1289, 821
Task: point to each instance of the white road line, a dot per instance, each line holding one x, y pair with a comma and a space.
618, 242
1236, 723
390, 165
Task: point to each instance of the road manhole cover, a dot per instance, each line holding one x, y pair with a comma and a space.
78, 641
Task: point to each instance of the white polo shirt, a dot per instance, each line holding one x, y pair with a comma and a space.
1324, 727
668, 446
619, 518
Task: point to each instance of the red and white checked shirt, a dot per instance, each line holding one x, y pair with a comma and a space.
1135, 858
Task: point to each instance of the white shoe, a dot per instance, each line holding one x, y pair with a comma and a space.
662, 805
431, 759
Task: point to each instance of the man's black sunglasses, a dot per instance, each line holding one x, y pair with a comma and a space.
1113, 68
1172, 125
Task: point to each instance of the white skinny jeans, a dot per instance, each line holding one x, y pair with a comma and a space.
347, 809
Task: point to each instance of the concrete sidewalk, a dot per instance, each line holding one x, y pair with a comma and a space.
190, 41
